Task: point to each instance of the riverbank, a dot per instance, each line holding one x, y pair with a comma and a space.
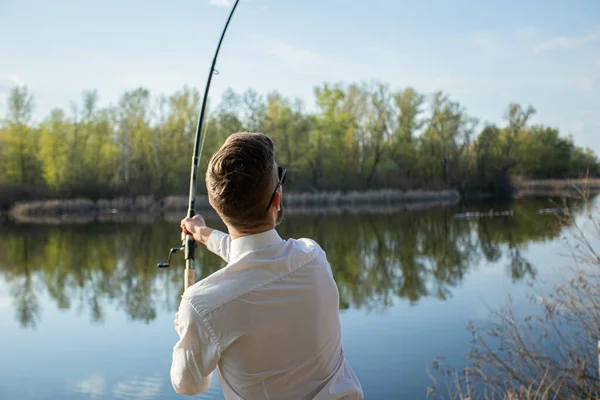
326, 202
123, 208
556, 187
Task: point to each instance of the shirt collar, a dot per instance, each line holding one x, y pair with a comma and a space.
254, 242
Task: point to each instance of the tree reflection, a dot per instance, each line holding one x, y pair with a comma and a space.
375, 259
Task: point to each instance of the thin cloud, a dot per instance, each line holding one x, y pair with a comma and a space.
487, 40
590, 112
567, 42
511, 43
8, 81
290, 53
452, 80
221, 3
586, 83
452, 84
577, 127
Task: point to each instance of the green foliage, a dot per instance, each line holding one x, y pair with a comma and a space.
544, 154
365, 135
19, 141
54, 149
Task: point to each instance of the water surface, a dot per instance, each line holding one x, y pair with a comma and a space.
85, 314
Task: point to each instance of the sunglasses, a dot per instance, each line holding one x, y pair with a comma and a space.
281, 172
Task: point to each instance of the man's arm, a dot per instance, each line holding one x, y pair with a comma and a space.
219, 243
195, 355
216, 241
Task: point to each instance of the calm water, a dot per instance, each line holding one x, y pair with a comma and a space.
85, 314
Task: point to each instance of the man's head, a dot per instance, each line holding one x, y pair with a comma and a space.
240, 180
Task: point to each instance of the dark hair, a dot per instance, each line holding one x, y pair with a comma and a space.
240, 177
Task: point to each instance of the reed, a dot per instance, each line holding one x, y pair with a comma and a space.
556, 187
552, 352
370, 197
320, 202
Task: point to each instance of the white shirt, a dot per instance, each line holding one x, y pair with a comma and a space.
268, 323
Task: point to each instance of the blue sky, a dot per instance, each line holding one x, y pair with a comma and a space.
485, 55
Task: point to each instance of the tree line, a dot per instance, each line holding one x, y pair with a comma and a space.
357, 136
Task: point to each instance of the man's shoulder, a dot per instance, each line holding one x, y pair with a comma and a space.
305, 244
236, 279
210, 292
305, 250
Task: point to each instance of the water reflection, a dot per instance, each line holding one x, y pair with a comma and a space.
375, 259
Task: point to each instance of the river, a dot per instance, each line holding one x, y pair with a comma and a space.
85, 313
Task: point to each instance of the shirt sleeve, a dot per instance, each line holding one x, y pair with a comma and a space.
219, 243
195, 355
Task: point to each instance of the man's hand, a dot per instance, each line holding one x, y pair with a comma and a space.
196, 227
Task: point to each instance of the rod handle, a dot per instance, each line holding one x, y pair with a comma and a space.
189, 276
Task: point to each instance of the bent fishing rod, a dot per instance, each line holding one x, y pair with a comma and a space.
189, 245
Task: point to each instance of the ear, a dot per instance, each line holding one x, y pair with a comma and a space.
277, 200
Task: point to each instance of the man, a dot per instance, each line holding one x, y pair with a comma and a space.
269, 320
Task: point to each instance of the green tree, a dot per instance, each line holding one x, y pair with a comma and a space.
136, 167
334, 127
544, 154
54, 149
408, 103
173, 137
583, 162
379, 125
19, 140
486, 154
448, 134
253, 110
517, 119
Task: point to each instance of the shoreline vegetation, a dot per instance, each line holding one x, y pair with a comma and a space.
551, 349
126, 208
557, 187
380, 201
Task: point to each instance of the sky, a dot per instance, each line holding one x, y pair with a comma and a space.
485, 55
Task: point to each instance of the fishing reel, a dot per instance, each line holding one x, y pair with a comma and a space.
188, 247
189, 254
168, 263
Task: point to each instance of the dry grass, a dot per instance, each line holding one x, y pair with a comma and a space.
300, 203
85, 207
550, 354
55, 207
556, 187
464, 389
371, 197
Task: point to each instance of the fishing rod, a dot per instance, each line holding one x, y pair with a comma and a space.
189, 245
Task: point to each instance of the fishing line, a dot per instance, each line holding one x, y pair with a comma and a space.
203, 137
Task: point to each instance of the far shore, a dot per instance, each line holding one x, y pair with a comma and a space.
211, 215
375, 201
556, 187
172, 207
